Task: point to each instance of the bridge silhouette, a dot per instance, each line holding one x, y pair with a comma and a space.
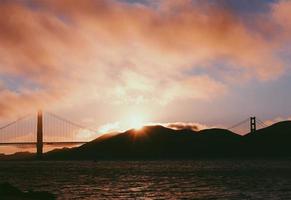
253, 124
44, 129
49, 129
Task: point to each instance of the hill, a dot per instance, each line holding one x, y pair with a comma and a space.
274, 140
156, 142
18, 156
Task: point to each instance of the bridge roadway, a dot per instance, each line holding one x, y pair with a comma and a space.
44, 143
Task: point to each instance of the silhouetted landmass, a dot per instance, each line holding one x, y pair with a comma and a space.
157, 142
274, 140
18, 156
9, 192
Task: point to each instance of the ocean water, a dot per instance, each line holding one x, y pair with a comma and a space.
204, 179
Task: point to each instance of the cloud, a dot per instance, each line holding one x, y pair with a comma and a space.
121, 127
281, 15
187, 126
276, 120
109, 127
119, 52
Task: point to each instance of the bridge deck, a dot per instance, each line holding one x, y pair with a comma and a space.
44, 143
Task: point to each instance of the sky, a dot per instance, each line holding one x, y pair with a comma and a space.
115, 64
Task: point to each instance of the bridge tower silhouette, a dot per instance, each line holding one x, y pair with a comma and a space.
44, 129
47, 129
39, 140
253, 125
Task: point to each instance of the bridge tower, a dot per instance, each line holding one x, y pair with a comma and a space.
39, 142
253, 125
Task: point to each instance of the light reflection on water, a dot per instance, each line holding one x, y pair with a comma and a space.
220, 179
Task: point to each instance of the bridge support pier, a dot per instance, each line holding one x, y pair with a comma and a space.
253, 125
39, 142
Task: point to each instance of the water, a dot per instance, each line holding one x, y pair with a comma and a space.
207, 179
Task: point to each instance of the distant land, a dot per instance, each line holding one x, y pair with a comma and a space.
158, 142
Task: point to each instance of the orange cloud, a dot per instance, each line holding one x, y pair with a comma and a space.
276, 120
282, 16
75, 51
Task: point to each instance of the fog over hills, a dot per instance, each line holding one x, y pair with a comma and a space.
158, 142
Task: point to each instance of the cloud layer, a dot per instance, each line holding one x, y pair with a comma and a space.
186, 126
63, 52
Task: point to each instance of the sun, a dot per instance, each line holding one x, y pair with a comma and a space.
136, 122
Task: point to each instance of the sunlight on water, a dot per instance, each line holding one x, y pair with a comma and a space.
155, 179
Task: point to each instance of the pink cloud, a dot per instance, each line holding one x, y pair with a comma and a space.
77, 51
276, 120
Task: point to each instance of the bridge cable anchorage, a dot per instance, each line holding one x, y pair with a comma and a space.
238, 124
70, 122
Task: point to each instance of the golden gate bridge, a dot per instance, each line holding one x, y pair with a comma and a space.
44, 129
49, 129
